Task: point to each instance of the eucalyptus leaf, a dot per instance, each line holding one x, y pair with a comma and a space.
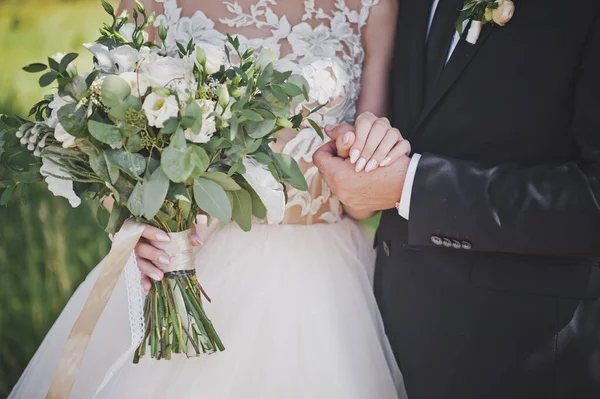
113, 170
134, 203
242, 209
258, 207
73, 119
98, 165
132, 164
176, 159
258, 130
178, 192
289, 171
154, 192
114, 91
224, 181
212, 199
105, 133
198, 158
7, 195
118, 215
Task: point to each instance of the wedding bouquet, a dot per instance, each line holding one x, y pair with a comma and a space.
169, 135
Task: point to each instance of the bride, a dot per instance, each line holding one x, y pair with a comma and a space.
294, 302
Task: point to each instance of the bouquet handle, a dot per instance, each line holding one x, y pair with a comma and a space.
72, 354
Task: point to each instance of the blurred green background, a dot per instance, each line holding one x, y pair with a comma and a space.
46, 248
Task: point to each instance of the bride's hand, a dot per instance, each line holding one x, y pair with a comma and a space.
148, 256
370, 144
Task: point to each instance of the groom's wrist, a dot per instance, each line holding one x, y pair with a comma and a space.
403, 205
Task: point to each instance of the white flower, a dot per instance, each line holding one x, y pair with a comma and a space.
268, 189
199, 28
138, 82
62, 136
504, 13
71, 69
59, 187
266, 57
327, 80
319, 42
121, 59
213, 57
173, 73
474, 32
209, 125
57, 103
159, 108
127, 32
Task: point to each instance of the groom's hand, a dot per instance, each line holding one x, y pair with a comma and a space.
365, 192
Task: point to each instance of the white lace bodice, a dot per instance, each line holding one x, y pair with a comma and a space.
321, 41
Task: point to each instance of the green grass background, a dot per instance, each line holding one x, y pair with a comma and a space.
46, 247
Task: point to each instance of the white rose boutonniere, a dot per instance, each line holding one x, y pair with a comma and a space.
481, 12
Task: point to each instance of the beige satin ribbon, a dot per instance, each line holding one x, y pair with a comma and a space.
73, 351
180, 251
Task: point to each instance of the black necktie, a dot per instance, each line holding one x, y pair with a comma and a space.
440, 38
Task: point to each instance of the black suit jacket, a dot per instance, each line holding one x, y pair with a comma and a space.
510, 137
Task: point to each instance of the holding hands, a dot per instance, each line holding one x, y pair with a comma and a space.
371, 146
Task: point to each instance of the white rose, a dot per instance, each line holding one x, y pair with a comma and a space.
266, 57
209, 125
62, 136
214, 57
327, 80
159, 109
71, 69
125, 58
127, 32
174, 73
138, 82
269, 190
59, 187
504, 12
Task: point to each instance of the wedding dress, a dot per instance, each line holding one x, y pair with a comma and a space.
293, 303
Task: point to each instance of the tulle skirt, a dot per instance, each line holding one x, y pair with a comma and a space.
293, 305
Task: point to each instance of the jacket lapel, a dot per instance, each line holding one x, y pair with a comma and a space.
461, 58
419, 12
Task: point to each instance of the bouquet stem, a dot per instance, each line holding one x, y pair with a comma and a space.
176, 321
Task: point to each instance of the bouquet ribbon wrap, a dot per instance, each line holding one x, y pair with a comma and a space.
72, 354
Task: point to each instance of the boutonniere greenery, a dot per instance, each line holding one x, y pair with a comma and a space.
481, 12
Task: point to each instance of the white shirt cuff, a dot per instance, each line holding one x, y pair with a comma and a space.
404, 208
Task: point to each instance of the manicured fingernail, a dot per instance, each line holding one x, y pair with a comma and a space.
372, 165
354, 155
162, 236
347, 137
329, 128
155, 276
386, 161
165, 260
360, 165
196, 238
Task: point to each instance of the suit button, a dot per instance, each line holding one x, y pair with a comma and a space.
456, 244
466, 245
436, 240
447, 243
386, 248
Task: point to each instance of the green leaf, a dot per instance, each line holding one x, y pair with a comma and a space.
113, 170
154, 193
98, 165
289, 171
291, 89
35, 67
170, 126
134, 203
258, 208
198, 158
233, 127
134, 143
47, 78
242, 209
258, 130
212, 199
119, 113
105, 133
178, 192
176, 160
251, 115
73, 119
65, 61
265, 77
224, 181
114, 91
132, 164
117, 217
7, 195
53, 64
317, 128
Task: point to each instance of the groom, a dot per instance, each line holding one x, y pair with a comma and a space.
488, 280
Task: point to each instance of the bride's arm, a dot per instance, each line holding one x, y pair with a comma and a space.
378, 41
